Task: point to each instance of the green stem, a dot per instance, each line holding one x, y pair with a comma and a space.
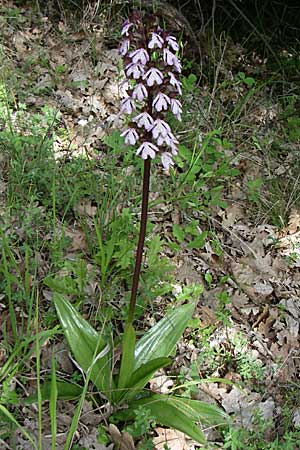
140, 247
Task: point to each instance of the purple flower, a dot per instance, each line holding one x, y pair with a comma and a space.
176, 108
126, 27
155, 41
171, 40
130, 136
153, 76
147, 149
161, 102
140, 92
167, 161
160, 128
176, 64
127, 106
174, 82
144, 120
169, 139
134, 70
139, 55
168, 57
124, 47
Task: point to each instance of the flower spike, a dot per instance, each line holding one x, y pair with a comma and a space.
151, 68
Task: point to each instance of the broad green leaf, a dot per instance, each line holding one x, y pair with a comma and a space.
168, 414
143, 375
89, 348
183, 414
65, 391
160, 340
127, 361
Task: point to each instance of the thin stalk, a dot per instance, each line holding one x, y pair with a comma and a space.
140, 247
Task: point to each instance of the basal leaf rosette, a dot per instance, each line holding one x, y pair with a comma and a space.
151, 69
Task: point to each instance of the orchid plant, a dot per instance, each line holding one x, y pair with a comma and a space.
152, 70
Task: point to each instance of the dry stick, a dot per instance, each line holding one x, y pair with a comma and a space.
140, 247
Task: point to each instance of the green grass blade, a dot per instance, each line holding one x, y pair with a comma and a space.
52, 406
22, 429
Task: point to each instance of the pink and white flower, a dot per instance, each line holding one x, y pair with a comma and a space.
169, 139
160, 128
171, 40
144, 120
176, 64
161, 102
174, 82
127, 106
139, 55
153, 76
166, 160
147, 149
176, 108
168, 57
134, 70
124, 47
126, 27
131, 136
140, 92
156, 41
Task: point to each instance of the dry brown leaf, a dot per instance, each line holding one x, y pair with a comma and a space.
161, 383
123, 441
77, 237
175, 440
294, 222
232, 213
85, 207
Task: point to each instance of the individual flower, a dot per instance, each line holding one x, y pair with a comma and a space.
176, 108
127, 106
171, 40
168, 57
174, 149
134, 70
124, 47
155, 41
152, 76
176, 64
160, 128
161, 102
130, 136
166, 160
147, 149
126, 27
169, 139
139, 92
174, 82
139, 55
144, 120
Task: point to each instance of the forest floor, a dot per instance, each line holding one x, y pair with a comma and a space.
224, 228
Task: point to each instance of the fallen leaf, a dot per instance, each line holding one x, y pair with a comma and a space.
173, 439
123, 441
77, 237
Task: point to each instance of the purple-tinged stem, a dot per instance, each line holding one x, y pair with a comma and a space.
140, 247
